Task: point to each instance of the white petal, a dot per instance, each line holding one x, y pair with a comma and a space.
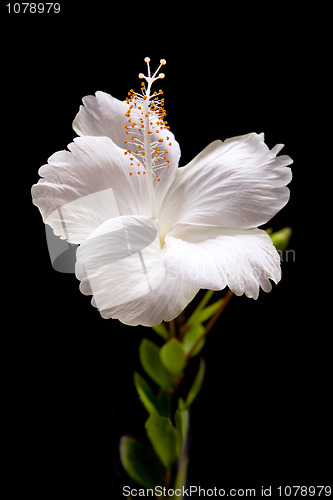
120, 265
90, 183
213, 258
104, 115
235, 183
164, 303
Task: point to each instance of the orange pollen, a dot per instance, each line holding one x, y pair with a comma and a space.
147, 108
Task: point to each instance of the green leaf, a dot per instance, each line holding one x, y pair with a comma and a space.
146, 394
197, 383
161, 329
181, 477
153, 366
182, 424
281, 238
181, 404
163, 437
163, 404
154, 404
141, 463
209, 311
173, 356
206, 298
191, 337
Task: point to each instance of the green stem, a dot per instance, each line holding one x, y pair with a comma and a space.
172, 329
228, 296
168, 411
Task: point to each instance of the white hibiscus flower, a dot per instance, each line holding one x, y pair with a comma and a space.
152, 234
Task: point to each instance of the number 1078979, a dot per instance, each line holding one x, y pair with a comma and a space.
33, 8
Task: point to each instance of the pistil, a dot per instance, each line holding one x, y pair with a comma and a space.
147, 119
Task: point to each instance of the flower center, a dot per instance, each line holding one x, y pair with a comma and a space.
162, 240
145, 120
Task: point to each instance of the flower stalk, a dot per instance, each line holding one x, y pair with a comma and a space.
161, 390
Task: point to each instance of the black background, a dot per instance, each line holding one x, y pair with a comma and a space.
263, 415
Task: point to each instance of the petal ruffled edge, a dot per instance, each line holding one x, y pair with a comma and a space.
120, 264
236, 183
213, 258
86, 185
